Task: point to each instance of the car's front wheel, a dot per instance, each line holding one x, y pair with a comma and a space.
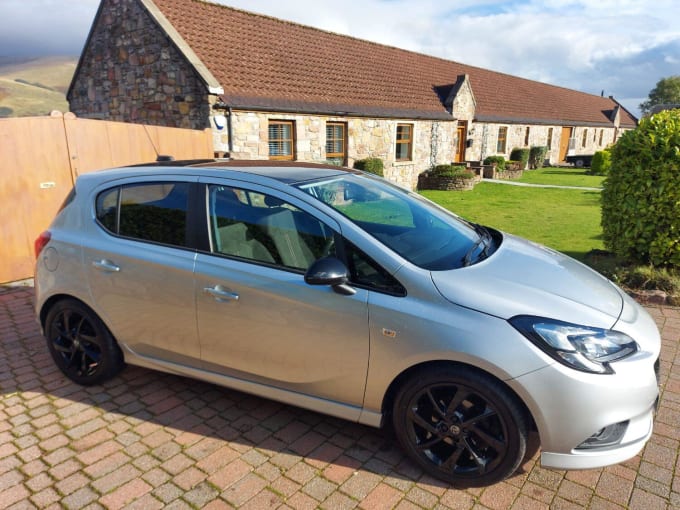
461, 426
80, 343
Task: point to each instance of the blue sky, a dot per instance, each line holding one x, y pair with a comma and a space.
621, 47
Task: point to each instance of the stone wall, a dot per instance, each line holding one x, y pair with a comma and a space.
433, 141
132, 72
485, 138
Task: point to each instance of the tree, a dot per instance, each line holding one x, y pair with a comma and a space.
667, 90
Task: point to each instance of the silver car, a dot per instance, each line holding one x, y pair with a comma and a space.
336, 291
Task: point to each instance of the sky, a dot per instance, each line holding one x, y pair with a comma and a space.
621, 47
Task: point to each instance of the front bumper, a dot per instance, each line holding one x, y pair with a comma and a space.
639, 430
569, 407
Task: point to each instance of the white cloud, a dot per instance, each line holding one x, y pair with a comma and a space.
621, 46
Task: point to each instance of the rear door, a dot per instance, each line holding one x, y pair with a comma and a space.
140, 268
257, 318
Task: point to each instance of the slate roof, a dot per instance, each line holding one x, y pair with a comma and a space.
267, 63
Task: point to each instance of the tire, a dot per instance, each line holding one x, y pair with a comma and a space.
479, 440
579, 163
80, 344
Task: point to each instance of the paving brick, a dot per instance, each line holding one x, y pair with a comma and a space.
106, 465
264, 499
45, 497
72, 483
244, 490
116, 478
201, 494
300, 501
301, 473
360, 484
149, 440
167, 492
339, 501
125, 494
79, 499
230, 474
382, 497
614, 488
499, 496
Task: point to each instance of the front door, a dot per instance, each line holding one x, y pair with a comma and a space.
461, 136
564, 142
257, 318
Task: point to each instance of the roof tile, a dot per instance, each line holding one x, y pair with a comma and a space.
264, 62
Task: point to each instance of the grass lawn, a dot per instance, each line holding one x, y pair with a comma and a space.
562, 177
564, 219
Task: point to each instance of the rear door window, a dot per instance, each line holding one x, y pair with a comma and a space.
155, 212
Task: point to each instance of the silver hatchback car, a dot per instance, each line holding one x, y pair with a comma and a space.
336, 291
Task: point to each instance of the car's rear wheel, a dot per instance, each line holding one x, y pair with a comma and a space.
80, 343
461, 426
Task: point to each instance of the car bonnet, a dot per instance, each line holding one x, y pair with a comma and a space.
524, 278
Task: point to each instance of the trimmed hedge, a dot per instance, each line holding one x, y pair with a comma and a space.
601, 163
537, 155
641, 195
499, 160
370, 165
450, 171
520, 154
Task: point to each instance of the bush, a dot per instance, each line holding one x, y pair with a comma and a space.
370, 165
521, 155
537, 156
451, 171
499, 160
601, 163
514, 165
641, 195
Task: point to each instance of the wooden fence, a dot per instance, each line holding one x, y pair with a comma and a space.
40, 158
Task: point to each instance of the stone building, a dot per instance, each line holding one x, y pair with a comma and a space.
272, 89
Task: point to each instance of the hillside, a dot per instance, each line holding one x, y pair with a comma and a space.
36, 86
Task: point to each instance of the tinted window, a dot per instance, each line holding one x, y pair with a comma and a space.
365, 272
153, 212
264, 228
405, 222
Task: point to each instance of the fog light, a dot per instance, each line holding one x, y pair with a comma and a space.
608, 436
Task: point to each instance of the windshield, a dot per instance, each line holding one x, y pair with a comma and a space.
415, 228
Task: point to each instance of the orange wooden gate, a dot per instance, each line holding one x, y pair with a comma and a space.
40, 158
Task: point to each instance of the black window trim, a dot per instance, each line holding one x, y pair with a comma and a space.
190, 233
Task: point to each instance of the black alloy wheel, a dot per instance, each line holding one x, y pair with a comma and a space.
80, 344
461, 426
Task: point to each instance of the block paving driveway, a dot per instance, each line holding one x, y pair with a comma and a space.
151, 440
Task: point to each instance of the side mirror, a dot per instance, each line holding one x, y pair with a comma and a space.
330, 271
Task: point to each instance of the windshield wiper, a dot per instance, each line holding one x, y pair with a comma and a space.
484, 240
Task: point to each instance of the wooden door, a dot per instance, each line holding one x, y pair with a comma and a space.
567, 133
461, 137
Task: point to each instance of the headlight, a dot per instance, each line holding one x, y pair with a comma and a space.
580, 347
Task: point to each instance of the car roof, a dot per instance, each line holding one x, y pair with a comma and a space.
286, 172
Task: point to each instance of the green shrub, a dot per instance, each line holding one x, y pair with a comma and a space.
451, 171
514, 165
641, 195
499, 160
370, 165
601, 163
520, 154
537, 156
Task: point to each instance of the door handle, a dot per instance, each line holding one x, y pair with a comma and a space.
106, 266
220, 294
